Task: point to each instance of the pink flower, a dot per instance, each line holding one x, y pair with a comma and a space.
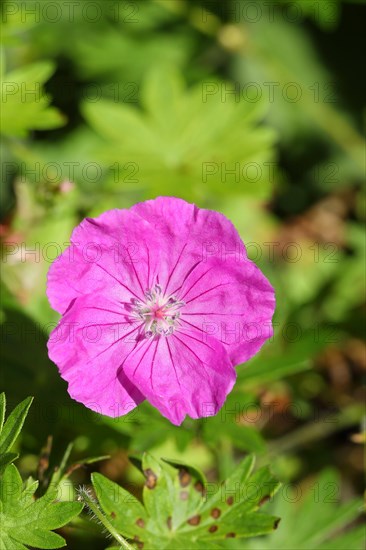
158, 302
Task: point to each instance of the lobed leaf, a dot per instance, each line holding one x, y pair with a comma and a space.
180, 133
123, 510
28, 522
14, 423
181, 511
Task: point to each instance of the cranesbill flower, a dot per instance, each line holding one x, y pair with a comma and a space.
158, 302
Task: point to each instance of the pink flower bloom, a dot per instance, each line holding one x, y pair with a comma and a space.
158, 302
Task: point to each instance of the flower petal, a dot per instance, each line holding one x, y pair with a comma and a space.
152, 242
231, 301
187, 236
89, 346
182, 374
225, 309
108, 255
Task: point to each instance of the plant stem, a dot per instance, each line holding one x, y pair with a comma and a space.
93, 506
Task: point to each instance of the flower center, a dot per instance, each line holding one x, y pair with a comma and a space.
159, 313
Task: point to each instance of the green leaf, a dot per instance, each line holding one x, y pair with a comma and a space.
39, 539
24, 104
7, 458
123, 510
9, 544
30, 487
162, 102
28, 522
323, 519
181, 510
11, 428
10, 488
183, 136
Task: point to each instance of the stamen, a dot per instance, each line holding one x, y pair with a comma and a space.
160, 314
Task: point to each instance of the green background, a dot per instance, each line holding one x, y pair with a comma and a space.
254, 109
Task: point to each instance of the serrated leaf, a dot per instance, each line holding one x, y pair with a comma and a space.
122, 508
10, 488
38, 538
10, 544
179, 509
30, 487
13, 425
28, 522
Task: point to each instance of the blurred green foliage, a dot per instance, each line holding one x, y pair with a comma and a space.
253, 109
